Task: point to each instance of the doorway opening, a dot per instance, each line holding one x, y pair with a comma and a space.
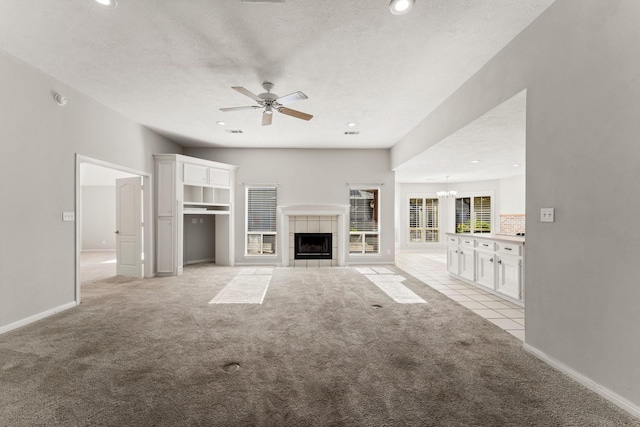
113, 205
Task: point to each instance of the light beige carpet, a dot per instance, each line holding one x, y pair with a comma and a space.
315, 353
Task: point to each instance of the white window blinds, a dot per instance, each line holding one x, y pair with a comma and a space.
261, 209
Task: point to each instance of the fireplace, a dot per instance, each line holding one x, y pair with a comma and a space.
312, 246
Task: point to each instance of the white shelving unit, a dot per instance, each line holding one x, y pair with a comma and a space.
187, 188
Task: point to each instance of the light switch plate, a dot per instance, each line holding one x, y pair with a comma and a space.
68, 216
547, 215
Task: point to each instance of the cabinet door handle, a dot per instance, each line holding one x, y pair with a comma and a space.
117, 232
461, 253
507, 249
490, 259
499, 261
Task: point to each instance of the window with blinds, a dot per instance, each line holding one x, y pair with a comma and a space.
261, 220
364, 229
477, 208
423, 220
482, 214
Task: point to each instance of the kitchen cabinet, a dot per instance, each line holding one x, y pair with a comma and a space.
466, 252
495, 263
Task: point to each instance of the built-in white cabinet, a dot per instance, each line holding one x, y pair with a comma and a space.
188, 192
494, 263
466, 259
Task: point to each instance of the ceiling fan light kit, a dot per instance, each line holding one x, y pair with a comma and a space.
270, 101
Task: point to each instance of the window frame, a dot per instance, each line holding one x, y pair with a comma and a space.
262, 234
438, 217
472, 212
366, 233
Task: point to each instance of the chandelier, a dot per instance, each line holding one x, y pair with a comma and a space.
448, 193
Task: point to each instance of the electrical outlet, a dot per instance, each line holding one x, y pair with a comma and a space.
547, 215
194, 220
68, 216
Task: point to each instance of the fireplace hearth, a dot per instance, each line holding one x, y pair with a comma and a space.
312, 246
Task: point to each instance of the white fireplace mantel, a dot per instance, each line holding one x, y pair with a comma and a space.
340, 211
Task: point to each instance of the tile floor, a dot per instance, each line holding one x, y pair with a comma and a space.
431, 268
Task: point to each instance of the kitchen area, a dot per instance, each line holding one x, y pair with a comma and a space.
460, 215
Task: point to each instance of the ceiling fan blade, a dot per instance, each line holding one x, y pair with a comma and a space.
292, 97
266, 119
252, 107
247, 93
294, 113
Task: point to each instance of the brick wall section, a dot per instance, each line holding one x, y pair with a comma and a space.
512, 223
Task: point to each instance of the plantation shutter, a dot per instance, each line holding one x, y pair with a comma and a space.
431, 207
415, 213
261, 209
482, 214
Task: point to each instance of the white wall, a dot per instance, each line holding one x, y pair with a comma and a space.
579, 64
512, 195
310, 177
37, 182
98, 217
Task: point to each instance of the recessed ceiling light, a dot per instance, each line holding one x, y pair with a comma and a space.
221, 123
515, 165
108, 3
351, 124
475, 161
400, 7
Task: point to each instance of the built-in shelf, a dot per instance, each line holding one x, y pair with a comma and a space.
189, 187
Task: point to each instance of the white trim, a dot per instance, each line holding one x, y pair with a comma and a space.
147, 218
36, 317
587, 382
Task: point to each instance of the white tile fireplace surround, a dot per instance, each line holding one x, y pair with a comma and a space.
313, 219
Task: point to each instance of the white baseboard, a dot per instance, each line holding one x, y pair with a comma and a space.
611, 396
36, 317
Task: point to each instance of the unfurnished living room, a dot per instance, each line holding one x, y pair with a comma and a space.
296, 213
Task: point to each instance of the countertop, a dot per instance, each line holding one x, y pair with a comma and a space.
500, 237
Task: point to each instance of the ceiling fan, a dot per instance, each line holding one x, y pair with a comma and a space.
270, 102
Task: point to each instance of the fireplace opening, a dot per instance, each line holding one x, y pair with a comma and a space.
312, 246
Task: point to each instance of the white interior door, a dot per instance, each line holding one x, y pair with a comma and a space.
129, 226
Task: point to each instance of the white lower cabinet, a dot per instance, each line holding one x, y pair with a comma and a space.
496, 264
452, 260
486, 269
165, 263
467, 261
509, 280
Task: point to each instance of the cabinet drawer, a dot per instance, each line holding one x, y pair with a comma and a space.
467, 242
452, 241
509, 248
485, 245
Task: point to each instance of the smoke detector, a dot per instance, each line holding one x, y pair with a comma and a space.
60, 99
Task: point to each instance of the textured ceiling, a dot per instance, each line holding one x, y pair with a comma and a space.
171, 65
487, 148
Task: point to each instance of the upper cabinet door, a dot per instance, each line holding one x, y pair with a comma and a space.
219, 177
166, 178
195, 174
